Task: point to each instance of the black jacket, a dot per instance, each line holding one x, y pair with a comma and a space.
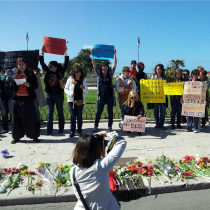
32, 80
138, 109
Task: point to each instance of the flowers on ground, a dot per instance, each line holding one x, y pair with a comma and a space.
4, 153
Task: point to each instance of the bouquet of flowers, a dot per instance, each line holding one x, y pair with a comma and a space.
166, 167
55, 175
195, 166
61, 174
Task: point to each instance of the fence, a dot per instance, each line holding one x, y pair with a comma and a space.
89, 113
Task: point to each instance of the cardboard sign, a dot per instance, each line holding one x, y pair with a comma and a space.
193, 110
8, 59
54, 45
132, 124
195, 87
103, 52
173, 88
194, 98
152, 91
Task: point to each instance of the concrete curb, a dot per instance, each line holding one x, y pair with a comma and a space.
71, 197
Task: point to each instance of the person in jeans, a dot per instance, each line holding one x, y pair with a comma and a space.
105, 90
133, 107
123, 85
176, 106
76, 88
160, 115
204, 78
6, 101
193, 122
55, 92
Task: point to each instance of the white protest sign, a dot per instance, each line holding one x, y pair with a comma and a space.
132, 124
20, 81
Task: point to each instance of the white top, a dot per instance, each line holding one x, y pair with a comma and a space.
94, 181
69, 89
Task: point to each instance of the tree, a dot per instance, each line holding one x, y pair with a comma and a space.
177, 63
172, 67
83, 60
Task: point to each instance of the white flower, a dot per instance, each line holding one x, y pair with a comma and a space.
137, 160
19, 165
197, 157
123, 170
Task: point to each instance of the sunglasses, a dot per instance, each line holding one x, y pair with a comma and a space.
132, 97
127, 71
78, 72
185, 74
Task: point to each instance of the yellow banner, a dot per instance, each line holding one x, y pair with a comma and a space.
174, 88
152, 91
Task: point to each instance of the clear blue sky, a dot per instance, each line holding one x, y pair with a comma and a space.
167, 30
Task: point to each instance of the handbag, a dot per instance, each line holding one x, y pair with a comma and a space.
78, 102
79, 191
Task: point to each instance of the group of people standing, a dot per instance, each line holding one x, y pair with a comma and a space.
22, 100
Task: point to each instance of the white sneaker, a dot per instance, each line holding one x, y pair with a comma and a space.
95, 129
196, 131
10, 132
110, 129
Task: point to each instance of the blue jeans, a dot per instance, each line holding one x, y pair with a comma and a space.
6, 107
109, 102
122, 112
76, 112
193, 123
176, 108
51, 101
159, 120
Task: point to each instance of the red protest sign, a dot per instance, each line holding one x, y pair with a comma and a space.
54, 45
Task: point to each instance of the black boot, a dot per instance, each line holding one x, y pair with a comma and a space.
139, 134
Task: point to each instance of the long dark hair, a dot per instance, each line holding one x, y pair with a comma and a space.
161, 67
78, 68
56, 64
88, 148
104, 63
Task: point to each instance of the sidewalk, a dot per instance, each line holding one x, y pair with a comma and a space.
58, 149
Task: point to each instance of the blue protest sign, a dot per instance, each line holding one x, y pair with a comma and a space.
103, 52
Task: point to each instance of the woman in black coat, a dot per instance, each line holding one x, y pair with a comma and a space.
54, 90
24, 120
133, 107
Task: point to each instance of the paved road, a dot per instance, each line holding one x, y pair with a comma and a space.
190, 200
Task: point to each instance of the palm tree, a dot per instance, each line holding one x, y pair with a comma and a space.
176, 63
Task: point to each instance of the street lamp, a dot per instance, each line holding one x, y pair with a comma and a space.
138, 43
27, 39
